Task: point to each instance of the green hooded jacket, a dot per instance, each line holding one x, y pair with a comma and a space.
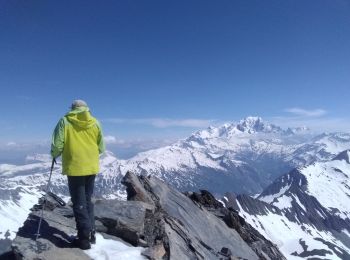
78, 138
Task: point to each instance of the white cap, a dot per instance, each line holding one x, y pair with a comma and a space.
78, 103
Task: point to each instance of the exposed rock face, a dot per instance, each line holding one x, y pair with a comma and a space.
169, 224
124, 219
135, 189
261, 246
188, 227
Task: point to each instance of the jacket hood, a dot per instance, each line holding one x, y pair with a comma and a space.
81, 117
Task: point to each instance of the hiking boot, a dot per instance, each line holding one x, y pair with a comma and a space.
93, 237
83, 244
83, 240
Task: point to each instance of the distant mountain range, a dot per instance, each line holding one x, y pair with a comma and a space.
251, 157
243, 157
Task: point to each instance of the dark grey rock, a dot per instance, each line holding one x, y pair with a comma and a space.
156, 252
256, 207
111, 237
343, 156
54, 241
205, 198
135, 189
225, 252
230, 200
124, 219
5, 246
188, 227
264, 248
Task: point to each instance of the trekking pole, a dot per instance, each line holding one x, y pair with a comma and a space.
46, 192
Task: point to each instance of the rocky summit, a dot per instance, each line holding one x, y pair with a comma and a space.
163, 222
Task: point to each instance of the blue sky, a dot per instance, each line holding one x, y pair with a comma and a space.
159, 70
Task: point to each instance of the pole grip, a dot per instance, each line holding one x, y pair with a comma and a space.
53, 163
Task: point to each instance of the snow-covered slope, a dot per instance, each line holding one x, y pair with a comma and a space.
22, 186
240, 157
305, 212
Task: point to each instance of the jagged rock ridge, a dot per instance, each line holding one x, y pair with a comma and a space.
169, 224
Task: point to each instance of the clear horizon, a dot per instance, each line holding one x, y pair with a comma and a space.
17, 152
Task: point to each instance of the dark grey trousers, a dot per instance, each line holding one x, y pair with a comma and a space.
81, 189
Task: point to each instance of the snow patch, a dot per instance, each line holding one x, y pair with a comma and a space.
13, 214
270, 198
346, 232
106, 249
299, 203
286, 234
283, 202
328, 183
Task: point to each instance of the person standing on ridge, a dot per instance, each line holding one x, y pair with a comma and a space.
78, 138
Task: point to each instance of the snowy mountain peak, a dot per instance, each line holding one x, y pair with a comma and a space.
256, 124
213, 132
345, 155
107, 154
107, 158
298, 130
248, 125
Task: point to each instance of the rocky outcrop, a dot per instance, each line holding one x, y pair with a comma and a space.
193, 232
264, 248
135, 190
123, 219
56, 234
167, 223
255, 206
5, 244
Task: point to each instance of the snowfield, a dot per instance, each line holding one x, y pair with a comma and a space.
244, 157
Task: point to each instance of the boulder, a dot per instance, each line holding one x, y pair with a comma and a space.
135, 189
124, 219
